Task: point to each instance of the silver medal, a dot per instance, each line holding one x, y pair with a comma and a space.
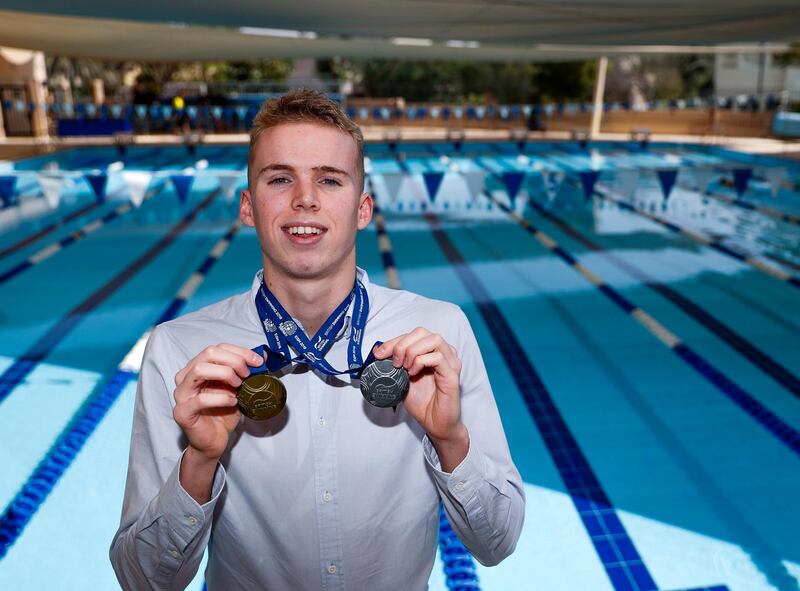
383, 384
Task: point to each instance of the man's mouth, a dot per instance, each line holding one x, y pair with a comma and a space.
301, 230
300, 233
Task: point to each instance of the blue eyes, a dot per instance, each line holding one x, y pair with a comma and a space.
325, 181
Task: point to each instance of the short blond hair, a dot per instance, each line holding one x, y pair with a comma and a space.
306, 106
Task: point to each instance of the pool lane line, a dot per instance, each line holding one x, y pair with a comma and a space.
752, 207
70, 441
73, 237
19, 370
79, 234
384, 244
772, 212
697, 236
57, 224
620, 559
725, 333
767, 560
27, 241
749, 205
458, 565
745, 401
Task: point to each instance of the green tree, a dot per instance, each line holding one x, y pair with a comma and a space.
789, 58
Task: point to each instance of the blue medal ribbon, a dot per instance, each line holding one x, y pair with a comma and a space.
283, 334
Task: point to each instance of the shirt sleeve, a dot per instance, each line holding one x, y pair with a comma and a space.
163, 531
483, 497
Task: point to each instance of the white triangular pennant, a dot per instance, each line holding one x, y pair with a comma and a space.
51, 187
228, 183
775, 177
393, 181
625, 182
411, 196
703, 178
137, 182
475, 180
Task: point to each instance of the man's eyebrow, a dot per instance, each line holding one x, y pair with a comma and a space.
323, 168
331, 169
274, 166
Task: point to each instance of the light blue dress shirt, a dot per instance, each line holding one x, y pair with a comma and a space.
331, 494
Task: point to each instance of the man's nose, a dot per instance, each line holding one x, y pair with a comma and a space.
305, 196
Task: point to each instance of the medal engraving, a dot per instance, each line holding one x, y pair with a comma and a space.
383, 384
261, 397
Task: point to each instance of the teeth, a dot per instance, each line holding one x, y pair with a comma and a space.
304, 230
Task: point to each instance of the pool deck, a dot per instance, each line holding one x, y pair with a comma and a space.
11, 148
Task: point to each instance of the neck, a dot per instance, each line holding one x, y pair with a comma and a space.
310, 301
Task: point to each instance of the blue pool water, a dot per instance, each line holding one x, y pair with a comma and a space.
644, 352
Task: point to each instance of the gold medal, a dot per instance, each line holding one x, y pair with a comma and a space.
261, 396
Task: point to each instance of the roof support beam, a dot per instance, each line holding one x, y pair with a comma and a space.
599, 91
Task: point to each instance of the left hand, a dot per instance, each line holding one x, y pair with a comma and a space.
434, 369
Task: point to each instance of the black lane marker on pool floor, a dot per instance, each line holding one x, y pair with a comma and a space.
459, 567
737, 342
738, 531
72, 438
22, 366
616, 550
750, 405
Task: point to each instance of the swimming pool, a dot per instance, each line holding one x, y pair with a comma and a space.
643, 350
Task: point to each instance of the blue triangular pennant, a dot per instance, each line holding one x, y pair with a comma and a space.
588, 179
433, 181
182, 182
513, 182
741, 176
98, 183
666, 179
7, 185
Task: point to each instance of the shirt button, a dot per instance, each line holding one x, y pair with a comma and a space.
321, 422
460, 486
326, 496
174, 553
332, 569
192, 520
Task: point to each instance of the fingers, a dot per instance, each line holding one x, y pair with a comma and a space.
191, 407
233, 356
200, 374
406, 349
434, 360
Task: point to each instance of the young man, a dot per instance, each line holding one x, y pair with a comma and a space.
332, 492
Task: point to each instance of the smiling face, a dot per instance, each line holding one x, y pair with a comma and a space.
305, 201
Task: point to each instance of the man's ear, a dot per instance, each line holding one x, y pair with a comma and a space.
246, 208
365, 208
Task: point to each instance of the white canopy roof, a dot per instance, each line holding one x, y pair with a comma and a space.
478, 30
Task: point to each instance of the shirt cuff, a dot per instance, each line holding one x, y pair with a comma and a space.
185, 516
463, 482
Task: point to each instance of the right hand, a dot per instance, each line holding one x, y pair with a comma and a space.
205, 396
